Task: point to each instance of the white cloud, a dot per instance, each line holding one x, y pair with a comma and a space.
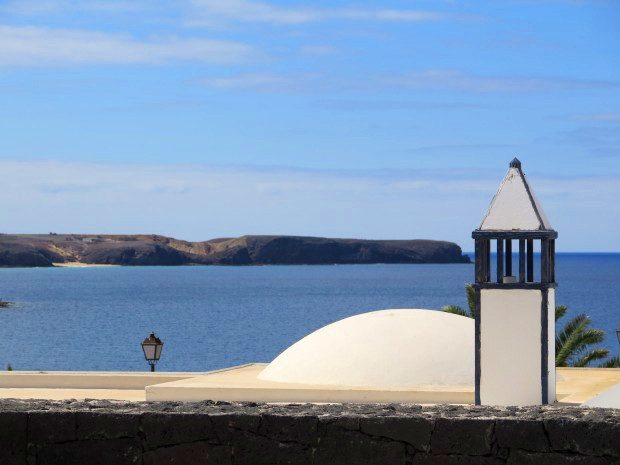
40, 7
266, 82
599, 117
201, 202
434, 79
462, 81
318, 50
34, 46
247, 81
600, 140
210, 12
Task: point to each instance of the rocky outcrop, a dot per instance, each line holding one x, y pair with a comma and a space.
14, 252
133, 253
290, 250
104, 432
135, 250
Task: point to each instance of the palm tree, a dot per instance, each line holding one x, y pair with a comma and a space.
611, 362
471, 304
573, 344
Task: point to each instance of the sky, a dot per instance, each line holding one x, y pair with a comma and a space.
387, 120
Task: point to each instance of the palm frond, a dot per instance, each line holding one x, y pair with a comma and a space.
560, 311
613, 362
585, 340
573, 325
568, 341
570, 327
456, 310
592, 355
574, 341
588, 337
471, 299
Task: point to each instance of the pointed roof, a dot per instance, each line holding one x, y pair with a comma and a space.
515, 207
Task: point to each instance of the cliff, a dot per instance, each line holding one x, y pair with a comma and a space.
45, 250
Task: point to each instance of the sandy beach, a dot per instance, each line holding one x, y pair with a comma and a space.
80, 265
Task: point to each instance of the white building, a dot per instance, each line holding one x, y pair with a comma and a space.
515, 305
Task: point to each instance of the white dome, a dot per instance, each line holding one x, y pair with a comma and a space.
386, 348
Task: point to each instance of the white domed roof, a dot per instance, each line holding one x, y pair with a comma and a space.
386, 348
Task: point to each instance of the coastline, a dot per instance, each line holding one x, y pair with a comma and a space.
48, 250
80, 265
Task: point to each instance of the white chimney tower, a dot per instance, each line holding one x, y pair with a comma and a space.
515, 305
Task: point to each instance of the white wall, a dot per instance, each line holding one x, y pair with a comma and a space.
510, 347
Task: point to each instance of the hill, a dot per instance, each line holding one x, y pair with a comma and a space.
30, 250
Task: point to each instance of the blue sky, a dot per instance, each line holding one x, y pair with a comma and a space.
209, 118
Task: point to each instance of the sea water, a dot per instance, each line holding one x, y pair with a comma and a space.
216, 316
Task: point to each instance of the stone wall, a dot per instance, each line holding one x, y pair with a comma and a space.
102, 432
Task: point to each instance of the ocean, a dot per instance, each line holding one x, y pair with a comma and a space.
214, 316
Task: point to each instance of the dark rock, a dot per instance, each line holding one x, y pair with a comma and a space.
95, 432
430, 459
521, 434
13, 438
97, 425
245, 415
584, 437
117, 452
342, 447
252, 449
196, 453
462, 436
301, 429
224, 425
161, 429
531, 458
350, 423
45, 428
414, 431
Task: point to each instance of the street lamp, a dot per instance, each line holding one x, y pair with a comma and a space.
152, 346
618, 334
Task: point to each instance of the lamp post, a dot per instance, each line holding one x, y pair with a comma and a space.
152, 347
618, 334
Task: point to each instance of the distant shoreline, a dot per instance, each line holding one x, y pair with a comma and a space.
87, 250
202, 265
80, 265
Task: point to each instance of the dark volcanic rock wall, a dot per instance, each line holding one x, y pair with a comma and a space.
100, 432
